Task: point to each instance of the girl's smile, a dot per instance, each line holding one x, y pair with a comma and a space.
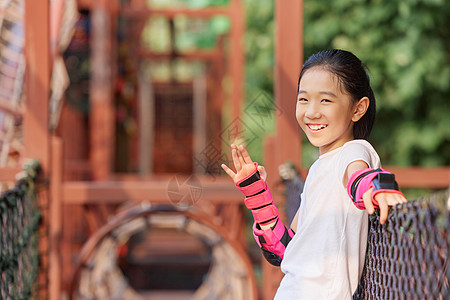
316, 127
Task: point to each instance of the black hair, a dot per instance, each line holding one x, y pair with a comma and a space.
353, 78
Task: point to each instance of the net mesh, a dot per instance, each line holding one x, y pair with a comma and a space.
19, 259
407, 257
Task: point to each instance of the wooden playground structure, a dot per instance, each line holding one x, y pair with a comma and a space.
77, 157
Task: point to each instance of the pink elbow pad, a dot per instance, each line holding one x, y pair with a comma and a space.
363, 180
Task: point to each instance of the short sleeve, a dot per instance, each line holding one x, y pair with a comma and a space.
357, 150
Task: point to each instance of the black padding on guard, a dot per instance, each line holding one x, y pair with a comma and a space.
271, 257
254, 178
385, 181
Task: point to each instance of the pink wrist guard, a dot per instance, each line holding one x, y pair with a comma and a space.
258, 199
363, 180
273, 242
252, 188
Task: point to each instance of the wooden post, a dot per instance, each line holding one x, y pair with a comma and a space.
37, 54
101, 106
146, 107
36, 135
288, 62
199, 113
287, 141
55, 218
237, 56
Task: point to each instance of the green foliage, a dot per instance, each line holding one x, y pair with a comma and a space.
406, 46
259, 46
188, 3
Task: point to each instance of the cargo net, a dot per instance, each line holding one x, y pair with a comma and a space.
20, 216
98, 275
407, 257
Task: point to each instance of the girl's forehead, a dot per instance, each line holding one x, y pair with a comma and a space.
319, 78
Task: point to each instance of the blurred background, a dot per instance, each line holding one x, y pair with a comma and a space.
145, 98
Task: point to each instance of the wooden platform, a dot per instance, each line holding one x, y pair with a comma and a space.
168, 295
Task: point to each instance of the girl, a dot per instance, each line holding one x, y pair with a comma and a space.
322, 253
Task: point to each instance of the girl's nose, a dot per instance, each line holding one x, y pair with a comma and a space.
312, 111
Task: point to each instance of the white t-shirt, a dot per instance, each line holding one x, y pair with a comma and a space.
325, 258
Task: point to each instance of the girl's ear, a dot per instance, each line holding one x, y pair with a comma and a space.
360, 108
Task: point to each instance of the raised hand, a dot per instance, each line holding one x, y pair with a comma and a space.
243, 164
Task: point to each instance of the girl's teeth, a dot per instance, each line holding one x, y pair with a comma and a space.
316, 127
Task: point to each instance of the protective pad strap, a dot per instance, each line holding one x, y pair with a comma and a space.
273, 242
384, 182
264, 214
259, 200
253, 188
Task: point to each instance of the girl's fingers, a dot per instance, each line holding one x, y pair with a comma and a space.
245, 155
384, 210
241, 158
401, 199
262, 172
228, 170
394, 199
367, 198
239, 155
236, 161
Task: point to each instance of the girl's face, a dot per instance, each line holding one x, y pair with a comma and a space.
324, 111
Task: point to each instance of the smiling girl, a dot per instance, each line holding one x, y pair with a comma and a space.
322, 252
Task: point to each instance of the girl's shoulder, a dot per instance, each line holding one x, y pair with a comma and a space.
358, 145
359, 150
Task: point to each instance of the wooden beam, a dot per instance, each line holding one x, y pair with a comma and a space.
154, 191
288, 62
195, 55
55, 217
414, 177
146, 115
37, 54
101, 106
36, 136
9, 173
286, 145
237, 56
144, 12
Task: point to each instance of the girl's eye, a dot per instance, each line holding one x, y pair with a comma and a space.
302, 100
326, 100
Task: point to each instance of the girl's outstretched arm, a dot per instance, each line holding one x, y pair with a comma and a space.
269, 231
384, 199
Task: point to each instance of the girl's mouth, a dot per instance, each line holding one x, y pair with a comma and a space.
316, 127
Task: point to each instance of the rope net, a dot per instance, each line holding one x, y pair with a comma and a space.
407, 257
20, 216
